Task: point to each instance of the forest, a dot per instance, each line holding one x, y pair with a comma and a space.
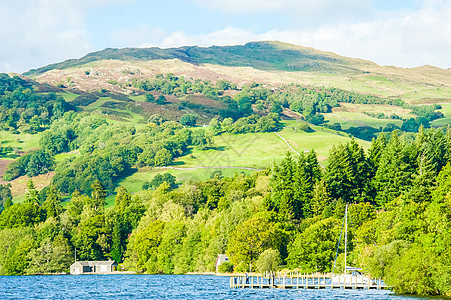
399, 194
289, 214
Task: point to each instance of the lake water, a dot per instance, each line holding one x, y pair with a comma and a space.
160, 287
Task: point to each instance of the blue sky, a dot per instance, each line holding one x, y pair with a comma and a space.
389, 32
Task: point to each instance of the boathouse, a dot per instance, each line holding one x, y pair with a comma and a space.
222, 258
93, 267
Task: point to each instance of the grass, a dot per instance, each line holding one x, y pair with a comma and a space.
352, 115
68, 96
446, 110
253, 150
355, 119
140, 98
134, 182
23, 141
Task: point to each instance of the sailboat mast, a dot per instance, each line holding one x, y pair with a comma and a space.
346, 232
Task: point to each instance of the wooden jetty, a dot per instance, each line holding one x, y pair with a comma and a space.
301, 281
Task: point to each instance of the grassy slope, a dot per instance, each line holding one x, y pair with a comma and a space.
268, 62
259, 55
254, 150
272, 63
446, 110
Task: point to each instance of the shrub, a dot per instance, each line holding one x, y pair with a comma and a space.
306, 128
188, 120
269, 260
161, 99
225, 267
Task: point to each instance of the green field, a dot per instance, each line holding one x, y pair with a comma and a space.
353, 115
23, 142
446, 110
252, 150
355, 119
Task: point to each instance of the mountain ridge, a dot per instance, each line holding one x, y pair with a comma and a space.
267, 62
265, 55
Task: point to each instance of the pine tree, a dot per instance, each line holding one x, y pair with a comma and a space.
123, 199
52, 204
320, 198
302, 189
394, 173
32, 195
339, 175
283, 187
423, 179
117, 249
378, 146
313, 167
98, 194
360, 172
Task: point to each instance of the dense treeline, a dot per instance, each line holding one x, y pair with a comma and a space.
399, 194
108, 152
31, 164
399, 191
23, 109
253, 123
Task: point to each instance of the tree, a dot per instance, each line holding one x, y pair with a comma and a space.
32, 195
188, 120
52, 204
320, 198
215, 126
160, 179
395, 170
156, 119
314, 249
98, 194
5, 195
145, 245
163, 157
89, 238
276, 108
123, 199
151, 98
52, 256
269, 260
283, 187
339, 175
117, 249
161, 99
253, 237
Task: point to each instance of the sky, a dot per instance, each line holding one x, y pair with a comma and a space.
403, 33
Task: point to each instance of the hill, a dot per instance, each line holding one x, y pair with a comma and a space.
258, 55
235, 82
272, 63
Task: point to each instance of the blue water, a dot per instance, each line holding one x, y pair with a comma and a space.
160, 287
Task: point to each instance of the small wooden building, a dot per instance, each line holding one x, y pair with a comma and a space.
93, 267
222, 258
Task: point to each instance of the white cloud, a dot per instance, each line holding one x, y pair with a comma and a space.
301, 13
38, 32
257, 6
405, 38
35, 33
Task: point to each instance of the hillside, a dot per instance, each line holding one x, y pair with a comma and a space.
272, 63
258, 55
228, 82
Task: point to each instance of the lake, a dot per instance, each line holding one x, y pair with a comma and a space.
159, 287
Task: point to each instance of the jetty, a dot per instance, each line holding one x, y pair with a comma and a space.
295, 280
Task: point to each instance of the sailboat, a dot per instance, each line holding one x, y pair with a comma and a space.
351, 275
